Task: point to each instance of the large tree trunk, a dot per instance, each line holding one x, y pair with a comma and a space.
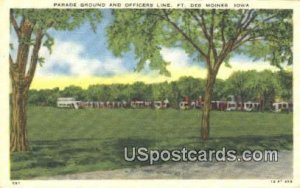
18, 134
21, 74
211, 77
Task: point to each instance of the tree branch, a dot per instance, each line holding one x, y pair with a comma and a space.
14, 24
34, 57
243, 23
205, 30
211, 31
184, 35
246, 40
212, 24
26, 29
222, 29
202, 27
223, 54
11, 62
208, 36
12, 67
250, 17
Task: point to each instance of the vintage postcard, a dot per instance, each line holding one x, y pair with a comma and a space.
171, 94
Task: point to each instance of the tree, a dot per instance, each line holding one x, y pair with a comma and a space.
139, 91
210, 36
93, 93
31, 27
74, 91
43, 97
161, 91
191, 87
285, 79
266, 87
35, 97
175, 95
239, 84
116, 92
125, 92
220, 91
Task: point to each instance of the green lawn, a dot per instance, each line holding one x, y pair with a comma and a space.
69, 141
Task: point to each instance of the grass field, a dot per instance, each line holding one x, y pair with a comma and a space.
69, 141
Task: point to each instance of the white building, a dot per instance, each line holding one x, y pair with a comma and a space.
184, 105
67, 102
251, 106
282, 106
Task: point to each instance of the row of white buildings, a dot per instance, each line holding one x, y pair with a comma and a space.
70, 102
230, 105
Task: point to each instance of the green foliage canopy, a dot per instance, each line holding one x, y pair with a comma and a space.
41, 21
210, 36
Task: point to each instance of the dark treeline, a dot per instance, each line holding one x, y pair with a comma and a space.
248, 85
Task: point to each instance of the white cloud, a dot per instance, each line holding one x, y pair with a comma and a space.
180, 65
68, 58
176, 56
244, 65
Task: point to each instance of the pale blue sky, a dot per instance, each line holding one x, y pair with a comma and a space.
95, 46
84, 53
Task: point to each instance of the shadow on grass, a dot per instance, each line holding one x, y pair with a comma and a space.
240, 143
89, 154
86, 151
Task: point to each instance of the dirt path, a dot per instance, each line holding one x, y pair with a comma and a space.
283, 169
